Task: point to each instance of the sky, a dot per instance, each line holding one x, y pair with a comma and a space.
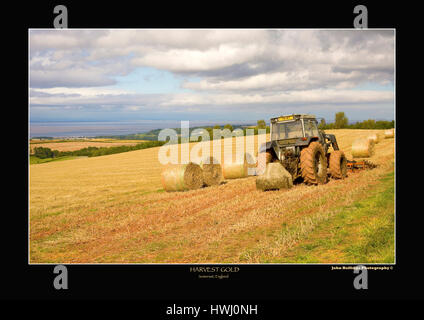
209, 74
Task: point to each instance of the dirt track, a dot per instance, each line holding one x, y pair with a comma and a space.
106, 213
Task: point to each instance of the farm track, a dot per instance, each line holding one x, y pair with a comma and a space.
108, 209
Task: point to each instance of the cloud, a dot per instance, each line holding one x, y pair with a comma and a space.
305, 97
220, 55
173, 102
220, 68
72, 78
94, 100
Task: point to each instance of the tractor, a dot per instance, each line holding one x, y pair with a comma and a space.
303, 150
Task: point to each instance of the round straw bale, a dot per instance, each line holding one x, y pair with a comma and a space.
375, 137
182, 177
212, 171
362, 148
389, 133
235, 170
274, 177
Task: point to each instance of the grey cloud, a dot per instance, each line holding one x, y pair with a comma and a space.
102, 100
368, 54
69, 78
273, 50
368, 69
238, 70
72, 69
353, 39
41, 94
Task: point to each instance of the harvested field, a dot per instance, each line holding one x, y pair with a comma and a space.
113, 209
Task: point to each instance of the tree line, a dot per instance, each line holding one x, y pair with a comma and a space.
43, 153
342, 122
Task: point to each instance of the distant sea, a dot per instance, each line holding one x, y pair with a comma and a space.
107, 128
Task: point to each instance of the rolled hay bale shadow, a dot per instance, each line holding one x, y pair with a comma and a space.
182, 177
388, 134
275, 177
363, 148
239, 169
212, 171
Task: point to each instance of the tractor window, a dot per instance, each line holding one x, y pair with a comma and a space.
287, 130
311, 129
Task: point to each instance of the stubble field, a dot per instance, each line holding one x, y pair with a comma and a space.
112, 209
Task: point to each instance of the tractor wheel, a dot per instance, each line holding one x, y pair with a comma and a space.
338, 165
263, 159
313, 164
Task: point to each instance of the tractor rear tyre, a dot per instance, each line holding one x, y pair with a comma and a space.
338, 165
263, 159
313, 164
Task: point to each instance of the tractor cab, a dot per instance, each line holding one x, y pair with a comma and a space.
296, 131
294, 127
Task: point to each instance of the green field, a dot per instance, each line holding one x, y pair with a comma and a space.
36, 160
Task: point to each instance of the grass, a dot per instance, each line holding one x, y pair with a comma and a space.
359, 233
36, 160
377, 236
